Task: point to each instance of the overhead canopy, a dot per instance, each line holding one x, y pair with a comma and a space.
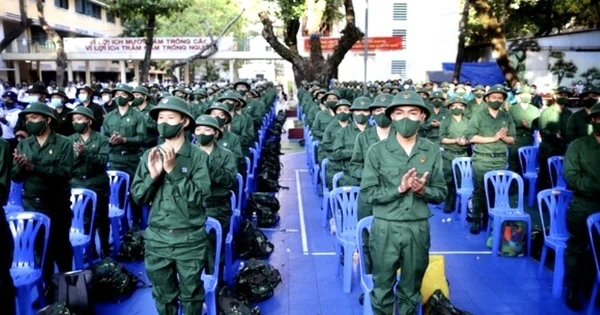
486, 73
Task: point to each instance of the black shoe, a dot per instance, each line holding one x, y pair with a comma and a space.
475, 228
573, 301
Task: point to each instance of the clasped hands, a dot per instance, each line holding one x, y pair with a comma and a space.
22, 161
501, 134
410, 181
161, 158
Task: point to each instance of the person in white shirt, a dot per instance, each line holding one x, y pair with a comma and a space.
8, 117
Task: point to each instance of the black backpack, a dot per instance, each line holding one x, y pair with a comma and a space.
55, 309
112, 281
231, 303
439, 304
257, 280
265, 199
252, 242
132, 247
74, 290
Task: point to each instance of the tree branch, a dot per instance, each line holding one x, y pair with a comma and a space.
61, 56
350, 35
292, 56
16, 32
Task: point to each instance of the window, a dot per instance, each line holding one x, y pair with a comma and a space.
88, 8
400, 33
110, 18
400, 13
80, 6
399, 68
62, 4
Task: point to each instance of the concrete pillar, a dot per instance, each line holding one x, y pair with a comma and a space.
38, 67
70, 71
186, 73
136, 71
17, 67
178, 73
231, 70
123, 72
88, 73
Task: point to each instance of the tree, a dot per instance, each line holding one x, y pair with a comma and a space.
561, 68
212, 73
517, 51
148, 10
462, 28
61, 56
592, 76
24, 23
320, 15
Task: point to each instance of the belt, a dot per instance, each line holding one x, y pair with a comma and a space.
175, 231
455, 151
503, 154
224, 202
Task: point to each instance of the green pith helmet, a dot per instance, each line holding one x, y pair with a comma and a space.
408, 98
360, 103
248, 87
590, 89
563, 89
163, 95
457, 99
208, 121
342, 102
140, 89
173, 103
498, 88
38, 108
438, 94
422, 90
220, 106
230, 95
82, 110
200, 92
445, 84
525, 90
479, 87
381, 100
594, 111
333, 92
124, 88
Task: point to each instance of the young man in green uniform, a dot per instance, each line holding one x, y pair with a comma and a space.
174, 179
582, 173
477, 103
315, 107
7, 289
431, 128
227, 139
89, 170
43, 163
492, 131
326, 116
523, 115
402, 175
454, 142
142, 104
578, 125
342, 113
238, 124
553, 127
125, 129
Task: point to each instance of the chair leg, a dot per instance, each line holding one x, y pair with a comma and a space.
24, 300
496, 236
325, 208
211, 304
78, 257
367, 308
593, 298
464, 201
543, 261
338, 255
116, 234
531, 193
348, 255
559, 273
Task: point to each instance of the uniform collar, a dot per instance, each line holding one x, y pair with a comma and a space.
216, 151
392, 144
185, 149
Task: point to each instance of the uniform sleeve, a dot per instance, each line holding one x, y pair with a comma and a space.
245, 136
224, 173
512, 131
143, 186
64, 167
370, 185
472, 127
341, 151
427, 125
571, 133
250, 128
105, 130
325, 145
436, 188
5, 171
18, 174
193, 190
98, 161
444, 127
316, 128
574, 175
357, 159
140, 131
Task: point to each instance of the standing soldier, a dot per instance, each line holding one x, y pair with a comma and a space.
89, 170
578, 125
553, 127
174, 179
492, 131
125, 129
43, 162
582, 171
523, 115
453, 140
477, 103
431, 128
402, 174
142, 104
7, 289
85, 95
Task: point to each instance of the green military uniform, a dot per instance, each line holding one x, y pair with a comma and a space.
489, 156
239, 123
400, 232
229, 140
151, 138
452, 128
176, 241
477, 104
314, 107
553, 129
326, 146
438, 113
524, 137
324, 118
198, 105
7, 289
249, 124
578, 125
582, 173
89, 171
47, 187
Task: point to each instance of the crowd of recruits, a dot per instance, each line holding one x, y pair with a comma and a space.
398, 164
181, 181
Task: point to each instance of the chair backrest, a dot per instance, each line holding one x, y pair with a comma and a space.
593, 223
501, 182
24, 227
528, 157
119, 181
248, 166
343, 202
336, 179
464, 167
80, 199
315, 150
240, 191
557, 202
254, 155
214, 225
324, 173
364, 223
555, 168
15, 196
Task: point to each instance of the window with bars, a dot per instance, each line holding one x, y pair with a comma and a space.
400, 11
110, 18
402, 34
88, 8
399, 67
62, 4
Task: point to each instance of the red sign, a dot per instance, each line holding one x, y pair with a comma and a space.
375, 43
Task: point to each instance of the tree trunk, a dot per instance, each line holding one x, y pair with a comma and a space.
494, 31
145, 69
15, 33
460, 53
61, 56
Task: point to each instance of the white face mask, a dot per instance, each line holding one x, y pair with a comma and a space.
105, 99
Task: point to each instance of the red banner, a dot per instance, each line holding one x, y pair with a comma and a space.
375, 43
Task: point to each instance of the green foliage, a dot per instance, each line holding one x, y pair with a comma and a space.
212, 73
134, 8
562, 68
592, 76
295, 9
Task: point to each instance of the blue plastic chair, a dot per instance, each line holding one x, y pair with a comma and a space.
15, 198
240, 192
325, 200
80, 241
593, 223
528, 157
463, 167
234, 226
336, 179
211, 280
501, 210
316, 166
366, 279
536, 138
557, 202
117, 207
25, 271
343, 202
555, 168
254, 169
248, 185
